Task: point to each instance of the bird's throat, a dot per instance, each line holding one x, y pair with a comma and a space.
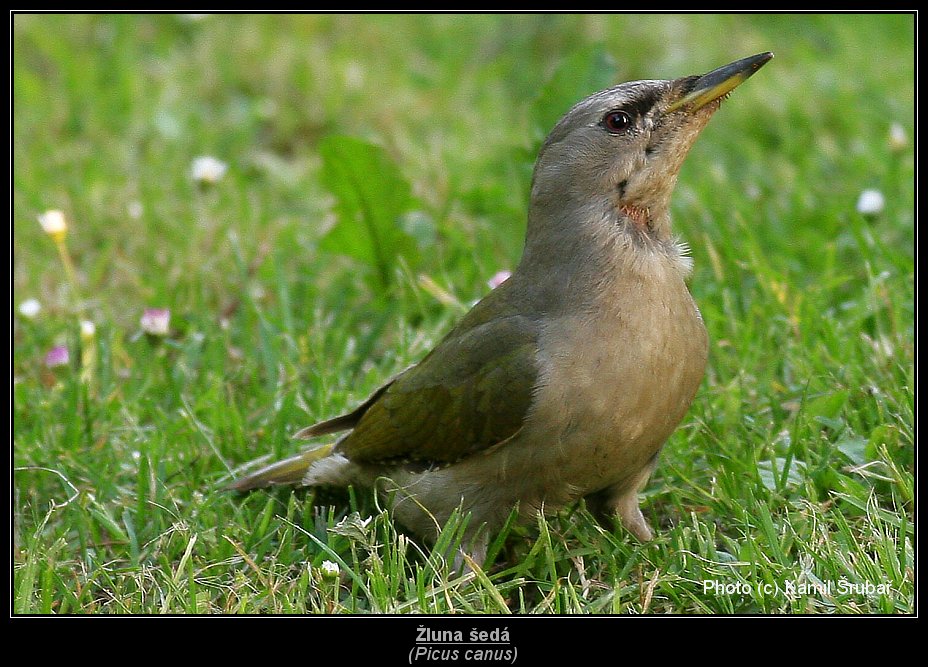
639, 215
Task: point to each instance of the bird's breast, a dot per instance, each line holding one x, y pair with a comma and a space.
616, 381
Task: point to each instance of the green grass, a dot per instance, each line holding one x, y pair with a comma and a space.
795, 463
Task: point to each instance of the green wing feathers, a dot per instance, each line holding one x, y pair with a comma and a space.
342, 422
471, 392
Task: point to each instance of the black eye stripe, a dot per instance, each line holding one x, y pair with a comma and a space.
641, 105
638, 106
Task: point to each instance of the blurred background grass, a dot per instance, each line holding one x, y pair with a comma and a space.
809, 303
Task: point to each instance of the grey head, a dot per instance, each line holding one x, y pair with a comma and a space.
610, 164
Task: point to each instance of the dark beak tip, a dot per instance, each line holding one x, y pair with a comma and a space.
751, 63
698, 91
745, 68
763, 58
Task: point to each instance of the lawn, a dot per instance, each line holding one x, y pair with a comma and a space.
209, 309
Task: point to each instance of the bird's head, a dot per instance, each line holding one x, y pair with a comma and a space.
615, 156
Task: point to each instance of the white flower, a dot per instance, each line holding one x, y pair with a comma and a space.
329, 569
88, 330
30, 308
156, 321
207, 169
898, 139
870, 202
256, 292
135, 209
54, 223
354, 74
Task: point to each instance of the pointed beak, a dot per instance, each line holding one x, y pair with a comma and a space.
719, 82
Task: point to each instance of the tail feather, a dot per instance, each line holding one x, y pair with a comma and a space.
288, 471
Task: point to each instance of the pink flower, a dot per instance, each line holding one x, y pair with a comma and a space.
57, 356
499, 278
156, 321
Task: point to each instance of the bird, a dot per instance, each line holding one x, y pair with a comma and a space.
565, 381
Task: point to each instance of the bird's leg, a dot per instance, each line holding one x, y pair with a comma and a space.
622, 500
626, 506
475, 549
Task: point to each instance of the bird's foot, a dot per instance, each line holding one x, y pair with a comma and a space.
630, 513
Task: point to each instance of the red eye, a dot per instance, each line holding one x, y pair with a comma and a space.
617, 121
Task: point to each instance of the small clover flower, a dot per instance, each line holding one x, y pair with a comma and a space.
156, 321
57, 356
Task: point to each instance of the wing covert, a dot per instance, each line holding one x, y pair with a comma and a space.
471, 392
